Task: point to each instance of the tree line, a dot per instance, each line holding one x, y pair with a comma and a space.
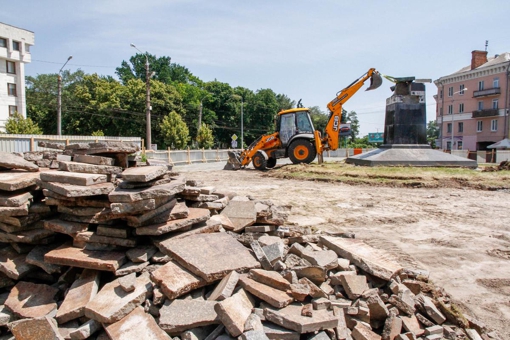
102, 105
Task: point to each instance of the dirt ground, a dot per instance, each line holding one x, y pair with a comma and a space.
461, 236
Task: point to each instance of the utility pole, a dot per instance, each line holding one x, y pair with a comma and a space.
59, 98
242, 124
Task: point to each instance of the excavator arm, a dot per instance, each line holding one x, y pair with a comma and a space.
331, 136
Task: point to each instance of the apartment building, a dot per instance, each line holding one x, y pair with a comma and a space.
472, 104
15, 46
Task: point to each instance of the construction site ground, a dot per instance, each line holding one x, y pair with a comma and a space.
461, 236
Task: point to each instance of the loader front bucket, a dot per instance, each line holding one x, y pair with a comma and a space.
375, 81
234, 161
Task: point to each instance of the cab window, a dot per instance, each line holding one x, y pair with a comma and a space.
287, 127
303, 123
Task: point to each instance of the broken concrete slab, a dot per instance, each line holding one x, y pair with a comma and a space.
34, 236
37, 328
134, 207
14, 211
273, 253
374, 261
175, 280
274, 297
290, 317
31, 300
10, 161
362, 332
165, 179
15, 198
261, 256
112, 231
225, 288
74, 178
131, 267
17, 180
65, 227
276, 332
70, 190
143, 174
75, 257
104, 147
210, 256
97, 160
142, 253
241, 214
82, 291
89, 168
270, 278
323, 258
315, 273
137, 325
195, 215
128, 282
354, 285
90, 236
14, 265
132, 195
36, 257
411, 324
180, 315
112, 303
431, 309
141, 220
179, 211
86, 330
234, 311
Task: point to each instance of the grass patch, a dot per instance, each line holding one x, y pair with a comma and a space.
416, 177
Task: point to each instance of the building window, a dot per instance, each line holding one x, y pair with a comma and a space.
27, 48
15, 45
11, 89
11, 67
461, 107
12, 110
459, 145
450, 92
3, 42
494, 125
448, 145
479, 126
450, 109
480, 85
441, 111
449, 128
461, 127
441, 94
480, 106
495, 82
495, 104
461, 89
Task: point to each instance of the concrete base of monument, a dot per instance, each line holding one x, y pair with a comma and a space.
410, 155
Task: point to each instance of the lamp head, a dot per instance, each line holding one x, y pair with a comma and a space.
70, 57
132, 45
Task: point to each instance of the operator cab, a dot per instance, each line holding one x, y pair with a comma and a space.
292, 123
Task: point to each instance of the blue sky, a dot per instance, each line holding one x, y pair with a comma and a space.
304, 49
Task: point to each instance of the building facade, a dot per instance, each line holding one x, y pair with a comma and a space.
15, 46
472, 104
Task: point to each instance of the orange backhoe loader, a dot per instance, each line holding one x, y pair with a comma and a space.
296, 137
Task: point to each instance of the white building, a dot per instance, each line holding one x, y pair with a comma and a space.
14, 53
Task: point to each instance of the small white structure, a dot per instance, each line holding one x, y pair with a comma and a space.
15, 46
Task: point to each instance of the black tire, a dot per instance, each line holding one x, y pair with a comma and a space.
302, 151
259, 161
271, 163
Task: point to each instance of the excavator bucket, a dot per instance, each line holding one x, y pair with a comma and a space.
234, 161
375, 81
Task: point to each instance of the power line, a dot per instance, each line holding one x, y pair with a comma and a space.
58, 63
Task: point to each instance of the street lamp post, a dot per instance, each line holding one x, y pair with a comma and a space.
242, 124
59, 98
147, 99
453, 109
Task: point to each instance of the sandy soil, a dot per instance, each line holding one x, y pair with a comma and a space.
461, 236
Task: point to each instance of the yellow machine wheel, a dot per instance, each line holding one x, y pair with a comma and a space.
259, 161
301, 151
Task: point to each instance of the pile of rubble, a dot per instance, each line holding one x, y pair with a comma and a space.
97, 250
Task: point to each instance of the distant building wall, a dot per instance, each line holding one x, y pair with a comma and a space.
481, 110
15, 46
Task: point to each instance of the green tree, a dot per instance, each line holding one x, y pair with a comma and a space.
319, 118
205, 137
353, 118
174, 131
41, 98
17, 124
260, 113
432, 133
284, 102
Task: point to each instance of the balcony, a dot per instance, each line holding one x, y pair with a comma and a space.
485, 113
488, 92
